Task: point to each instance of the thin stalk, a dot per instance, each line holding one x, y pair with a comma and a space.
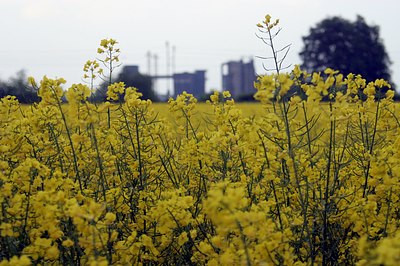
371, 149
57, 146
100, 163
74, 156
325, 247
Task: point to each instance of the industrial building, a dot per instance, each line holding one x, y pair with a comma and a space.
193, 83
238, 77
130, 70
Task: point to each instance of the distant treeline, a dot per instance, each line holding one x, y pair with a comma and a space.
19, 87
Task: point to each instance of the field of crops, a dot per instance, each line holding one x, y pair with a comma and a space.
291, 182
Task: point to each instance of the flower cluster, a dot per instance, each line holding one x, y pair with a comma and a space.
303, 182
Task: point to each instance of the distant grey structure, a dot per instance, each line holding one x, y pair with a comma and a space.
193, 83
238, 77
130, 70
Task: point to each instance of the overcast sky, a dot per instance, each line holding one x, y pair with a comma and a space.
56, 37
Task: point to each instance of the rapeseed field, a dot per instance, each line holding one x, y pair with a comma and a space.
287, 181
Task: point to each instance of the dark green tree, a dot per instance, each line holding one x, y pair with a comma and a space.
142, 82
350, 47
18, 87
100, 94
